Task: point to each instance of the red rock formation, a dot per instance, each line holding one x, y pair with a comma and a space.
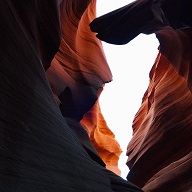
159, 154
161, 144
77, 74
79, 68
102, 138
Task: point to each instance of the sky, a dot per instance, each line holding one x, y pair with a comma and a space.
130, 65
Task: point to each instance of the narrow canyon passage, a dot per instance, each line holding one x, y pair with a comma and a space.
120, 100
53, 69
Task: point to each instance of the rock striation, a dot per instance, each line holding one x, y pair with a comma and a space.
160, 152
52, 71
102, 137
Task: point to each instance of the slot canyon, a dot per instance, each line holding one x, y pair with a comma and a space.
53, 70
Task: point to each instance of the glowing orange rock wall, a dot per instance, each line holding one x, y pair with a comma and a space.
161, 145
77, 74
102, 138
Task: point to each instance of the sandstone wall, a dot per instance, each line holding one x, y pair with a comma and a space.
52, 70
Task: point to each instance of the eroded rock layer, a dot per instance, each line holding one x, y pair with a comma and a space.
160, 152
161, 144
43, 145
77, 74
102, 137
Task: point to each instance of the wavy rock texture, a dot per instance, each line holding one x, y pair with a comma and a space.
77, 74
159, 154
161, 145
43, 146
102, 138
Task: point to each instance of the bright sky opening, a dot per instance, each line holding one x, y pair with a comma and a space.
130, 65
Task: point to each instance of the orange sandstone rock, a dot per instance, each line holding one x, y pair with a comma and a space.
162, 133
77, 74
102, 138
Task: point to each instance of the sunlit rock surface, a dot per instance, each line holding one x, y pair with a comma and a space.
52, 71
102, 138
160, 152
77, 74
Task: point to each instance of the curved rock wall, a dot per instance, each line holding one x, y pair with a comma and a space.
161, 144
162, 125
77, 75
43, 146
102, 137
